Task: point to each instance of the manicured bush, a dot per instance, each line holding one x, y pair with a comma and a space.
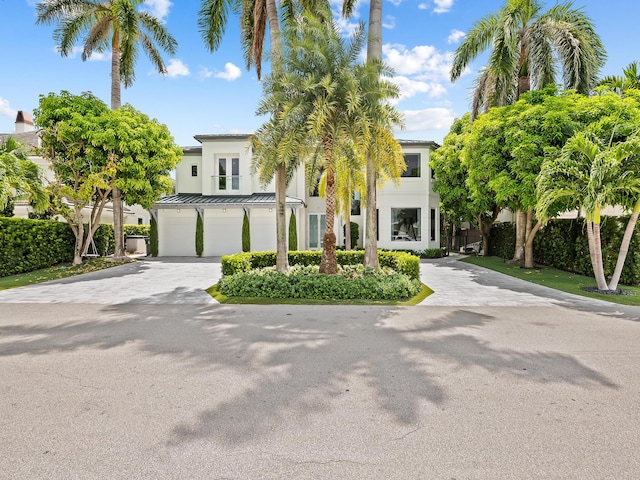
432, 253
27, 245
502, 240
246, 234
199, 235
401, 262
353, 282
153, 238
293, 232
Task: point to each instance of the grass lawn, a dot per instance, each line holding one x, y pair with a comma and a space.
424, 293
54, 273
557, 279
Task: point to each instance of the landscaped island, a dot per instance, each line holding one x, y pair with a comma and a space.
253, 274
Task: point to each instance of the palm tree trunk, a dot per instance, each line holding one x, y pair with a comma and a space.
624, 247
595, 253
329, 261
116, 194
282, 261
374, 52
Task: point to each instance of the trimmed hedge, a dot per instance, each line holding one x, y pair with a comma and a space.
304, 281
27, 245
402, 262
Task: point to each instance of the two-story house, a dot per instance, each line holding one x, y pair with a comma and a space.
214, 181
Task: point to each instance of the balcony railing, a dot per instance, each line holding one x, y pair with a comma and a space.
221, 184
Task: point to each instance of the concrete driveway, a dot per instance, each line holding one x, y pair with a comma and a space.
192, 389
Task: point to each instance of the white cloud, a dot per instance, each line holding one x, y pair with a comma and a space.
231, 72
442, 6
423, 60
395, 2
410, 88
428, 119
455, 36
6, 110
389, 22
157, 8
423, 6
77, 51
177, 69
204, 72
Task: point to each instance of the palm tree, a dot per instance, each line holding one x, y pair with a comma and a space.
20, 177
255, 15
326, 104
589, 176
525, 42
629, 79
374, 54
119, 27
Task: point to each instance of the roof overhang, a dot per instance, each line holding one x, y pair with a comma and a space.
257, 200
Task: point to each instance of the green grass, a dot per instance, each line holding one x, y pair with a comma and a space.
55, 273
213, 291
557, 279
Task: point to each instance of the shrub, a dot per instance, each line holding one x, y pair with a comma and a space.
401, 262
293, 232
246, 234
304, 281
432, 253
27, 245
199, 235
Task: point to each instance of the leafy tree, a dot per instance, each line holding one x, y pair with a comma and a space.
119, 27
92, 149
526, 43
20, 177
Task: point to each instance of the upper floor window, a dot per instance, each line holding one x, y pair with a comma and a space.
413, 165
194, 170
225, 180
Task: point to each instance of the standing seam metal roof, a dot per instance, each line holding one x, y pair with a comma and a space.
257, 199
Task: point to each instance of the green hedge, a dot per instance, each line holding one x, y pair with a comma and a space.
402, 262
563, 244
502, 240
304, 281
27, 245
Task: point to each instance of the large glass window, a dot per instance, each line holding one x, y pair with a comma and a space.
235, 174
405, 224
355, 204
317, 226
222, 173
413, 165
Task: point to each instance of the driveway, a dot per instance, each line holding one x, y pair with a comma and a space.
188, 388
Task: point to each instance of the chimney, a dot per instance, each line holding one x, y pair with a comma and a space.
24, 122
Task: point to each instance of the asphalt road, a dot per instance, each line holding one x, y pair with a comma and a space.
168, 384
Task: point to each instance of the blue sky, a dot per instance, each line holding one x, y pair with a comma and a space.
207, 93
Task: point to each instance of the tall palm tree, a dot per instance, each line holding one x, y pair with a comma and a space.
255, 16
374, 54
589, 176
525, 42
629, 79
326, 104
119, 27
20, 177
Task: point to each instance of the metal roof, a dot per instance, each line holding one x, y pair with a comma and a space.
267, 200
427, 143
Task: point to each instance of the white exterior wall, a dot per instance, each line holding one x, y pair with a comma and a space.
185, 182
212, 152
177, 233
262, 223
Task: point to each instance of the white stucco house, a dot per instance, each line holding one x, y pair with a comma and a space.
214, 181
